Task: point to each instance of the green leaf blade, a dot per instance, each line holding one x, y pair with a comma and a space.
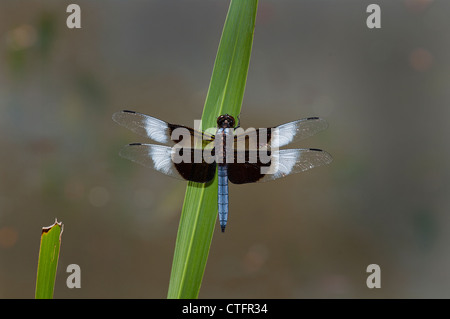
48, 260
225, 95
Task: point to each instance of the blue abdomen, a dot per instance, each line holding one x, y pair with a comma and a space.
223, 195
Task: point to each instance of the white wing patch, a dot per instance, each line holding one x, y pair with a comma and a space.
162, 158
283, 162
283, 135
156, 129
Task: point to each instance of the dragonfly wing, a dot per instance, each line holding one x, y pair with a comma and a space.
159, 131
255, 167
161, 158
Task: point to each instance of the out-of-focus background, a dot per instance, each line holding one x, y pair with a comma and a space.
384, 200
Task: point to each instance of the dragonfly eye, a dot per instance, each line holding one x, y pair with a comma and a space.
225, 121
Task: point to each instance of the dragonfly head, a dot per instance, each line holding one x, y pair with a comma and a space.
225, 121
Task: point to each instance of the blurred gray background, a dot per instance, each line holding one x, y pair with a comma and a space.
384, 199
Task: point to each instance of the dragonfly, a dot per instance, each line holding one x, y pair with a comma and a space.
238, 156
